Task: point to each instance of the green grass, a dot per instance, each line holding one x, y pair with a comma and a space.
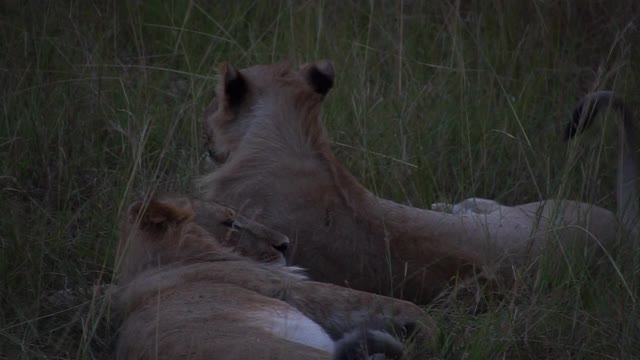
434, 101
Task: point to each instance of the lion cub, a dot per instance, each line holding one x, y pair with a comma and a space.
184, 294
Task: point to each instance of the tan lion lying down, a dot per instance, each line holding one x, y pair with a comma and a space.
275, 163
185, 295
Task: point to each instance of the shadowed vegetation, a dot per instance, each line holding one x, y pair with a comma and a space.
434, 100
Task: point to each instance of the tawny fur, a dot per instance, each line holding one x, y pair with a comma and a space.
185, 295
275, 161
243, 235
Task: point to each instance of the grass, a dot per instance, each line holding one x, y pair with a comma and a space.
434, 101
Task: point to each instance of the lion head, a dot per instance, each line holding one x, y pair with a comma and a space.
247, 237
244, 96
171, 230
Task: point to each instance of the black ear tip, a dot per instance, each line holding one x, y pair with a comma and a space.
235, 86
321, 76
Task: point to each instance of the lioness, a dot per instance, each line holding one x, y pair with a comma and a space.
185, 295
274, 158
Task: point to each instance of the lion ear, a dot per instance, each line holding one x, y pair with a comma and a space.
234, 85
320, 76
161, 211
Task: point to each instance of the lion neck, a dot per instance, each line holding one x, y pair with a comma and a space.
281, 150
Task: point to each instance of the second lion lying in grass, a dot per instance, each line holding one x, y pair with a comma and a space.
185, 295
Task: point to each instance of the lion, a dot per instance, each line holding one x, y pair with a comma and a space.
184, 294
273, 155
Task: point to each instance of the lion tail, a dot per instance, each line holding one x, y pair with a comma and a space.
582, 118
